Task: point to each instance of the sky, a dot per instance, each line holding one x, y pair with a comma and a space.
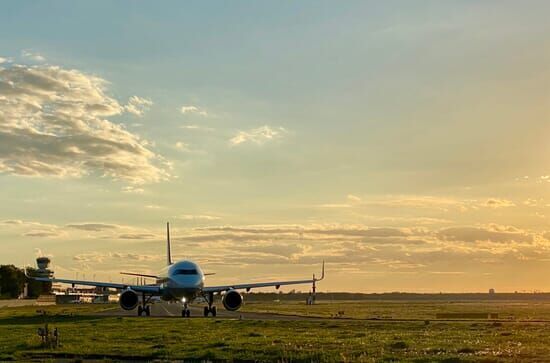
404, 143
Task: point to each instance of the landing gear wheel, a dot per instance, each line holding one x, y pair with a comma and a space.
140, 310
188, 313
185, 313
147, 310
213, 311
206, 311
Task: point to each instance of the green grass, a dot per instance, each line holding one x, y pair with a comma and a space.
88, 336
512, 310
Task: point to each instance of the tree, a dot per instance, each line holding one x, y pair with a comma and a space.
12, 281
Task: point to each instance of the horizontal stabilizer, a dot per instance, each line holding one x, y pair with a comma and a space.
136, 274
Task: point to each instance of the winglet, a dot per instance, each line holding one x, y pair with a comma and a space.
322, 273
168, 245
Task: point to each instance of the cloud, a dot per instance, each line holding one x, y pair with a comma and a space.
33, 56
530, 202
182, 146
36, 228
498, 203
3, 60
94, 227
196, 127
200, 217
334, 205
444, 204
13, 221
102, 257
322, 230
137, 236
133, 190
478, 234
42, 233
53, 123
138, 106
193, 110
258, 136
234, 251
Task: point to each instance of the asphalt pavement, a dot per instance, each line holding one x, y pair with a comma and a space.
167, 310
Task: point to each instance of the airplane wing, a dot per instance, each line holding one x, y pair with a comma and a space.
277, 284
148, 289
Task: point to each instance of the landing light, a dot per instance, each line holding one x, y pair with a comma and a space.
183, 300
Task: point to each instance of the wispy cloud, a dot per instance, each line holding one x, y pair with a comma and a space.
193, 110
138, 236
443, 204
198, 217
42, 234
138, 106
480, 234
499, 203
258, 135
196, 127
93, 227
182, 146
28, 54
132, 189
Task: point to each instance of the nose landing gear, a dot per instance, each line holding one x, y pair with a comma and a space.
185, 313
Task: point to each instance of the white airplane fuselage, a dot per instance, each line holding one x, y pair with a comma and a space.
181, 281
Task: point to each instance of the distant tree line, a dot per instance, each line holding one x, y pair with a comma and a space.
393, 296
13, 280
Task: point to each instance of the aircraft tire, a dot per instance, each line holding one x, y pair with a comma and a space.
213, 311
140, 310
148, 310
206, 311
188, 313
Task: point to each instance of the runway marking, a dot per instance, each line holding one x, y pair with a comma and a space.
166, 310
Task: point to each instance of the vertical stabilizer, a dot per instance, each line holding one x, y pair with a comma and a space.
168, 245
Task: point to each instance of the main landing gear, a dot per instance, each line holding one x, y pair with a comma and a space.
144, 308
210, 309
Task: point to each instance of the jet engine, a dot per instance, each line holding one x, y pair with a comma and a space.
128, 300
232, 300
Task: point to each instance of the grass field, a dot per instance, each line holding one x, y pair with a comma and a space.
512, 310
84, 335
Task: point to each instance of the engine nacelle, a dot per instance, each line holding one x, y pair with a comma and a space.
128, 300
232, 300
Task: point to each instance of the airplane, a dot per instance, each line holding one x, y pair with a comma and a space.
181, 281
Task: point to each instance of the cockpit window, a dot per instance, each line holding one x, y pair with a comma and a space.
184, 271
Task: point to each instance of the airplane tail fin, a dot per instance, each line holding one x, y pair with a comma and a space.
168, 245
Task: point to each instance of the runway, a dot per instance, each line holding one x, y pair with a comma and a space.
173, 310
